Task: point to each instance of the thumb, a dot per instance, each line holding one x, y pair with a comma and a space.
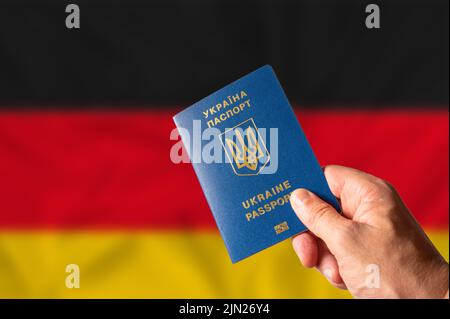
318, 216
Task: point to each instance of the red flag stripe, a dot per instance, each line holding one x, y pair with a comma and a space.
111, 169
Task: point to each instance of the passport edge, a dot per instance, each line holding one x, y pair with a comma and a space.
265, 66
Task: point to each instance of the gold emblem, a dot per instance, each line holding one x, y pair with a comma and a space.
281, 227
245, 148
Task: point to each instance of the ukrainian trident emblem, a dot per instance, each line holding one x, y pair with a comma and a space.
245, 148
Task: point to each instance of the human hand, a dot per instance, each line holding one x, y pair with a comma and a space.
375, 232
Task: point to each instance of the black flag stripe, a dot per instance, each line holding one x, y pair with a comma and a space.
156, 53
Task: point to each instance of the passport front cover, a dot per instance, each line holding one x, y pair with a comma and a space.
250, 153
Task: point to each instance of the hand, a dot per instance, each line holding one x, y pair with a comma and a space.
375, 235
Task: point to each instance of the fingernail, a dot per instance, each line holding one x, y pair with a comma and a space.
328, 273
299, 196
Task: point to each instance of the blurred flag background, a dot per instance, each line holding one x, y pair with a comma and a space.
85, 118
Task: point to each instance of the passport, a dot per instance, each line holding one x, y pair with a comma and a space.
250, 153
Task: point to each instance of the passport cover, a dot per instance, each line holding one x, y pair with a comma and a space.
265, 156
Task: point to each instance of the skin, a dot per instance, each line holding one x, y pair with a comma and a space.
375, 230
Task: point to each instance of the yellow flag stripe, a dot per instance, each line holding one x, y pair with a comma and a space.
154, 265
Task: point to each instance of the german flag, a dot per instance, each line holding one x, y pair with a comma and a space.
86, 115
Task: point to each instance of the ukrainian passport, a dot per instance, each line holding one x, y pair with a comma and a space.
250, 153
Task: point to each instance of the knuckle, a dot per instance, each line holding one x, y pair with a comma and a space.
384, 186
318, 213
380, 188
389, 196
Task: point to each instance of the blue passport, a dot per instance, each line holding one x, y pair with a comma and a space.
250, 153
